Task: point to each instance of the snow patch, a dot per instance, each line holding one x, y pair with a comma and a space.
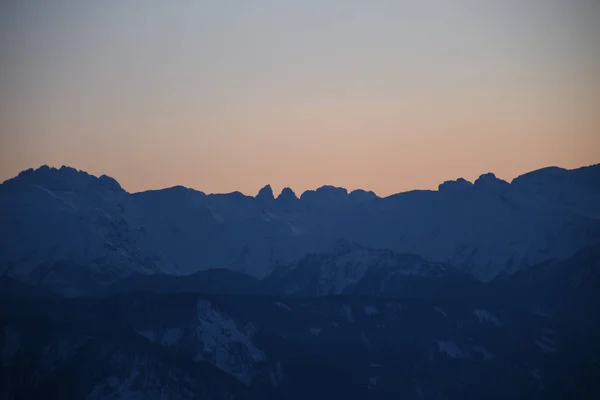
538, 377
315, 331
365, 339
373, 382
486, 316
283, 306
277, 375
120, 387
347, 312
440, 311
546, 345
419, 390
148, 334
450, 349
295, 230
224, 345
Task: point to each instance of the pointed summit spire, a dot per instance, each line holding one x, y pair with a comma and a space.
265, 194
287, 194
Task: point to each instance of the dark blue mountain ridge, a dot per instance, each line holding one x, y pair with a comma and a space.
92, 228
484, 290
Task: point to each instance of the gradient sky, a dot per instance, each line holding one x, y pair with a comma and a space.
231, 95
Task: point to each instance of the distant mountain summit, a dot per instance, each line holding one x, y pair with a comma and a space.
65, 228
331, 196
265, 194
64, 179
477, 290
287, 194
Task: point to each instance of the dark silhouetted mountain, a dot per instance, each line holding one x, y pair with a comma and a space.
287, 194
65, 179
326, 196
455, 186
359, 196
287, 200
71, 231
265, 195
489, 182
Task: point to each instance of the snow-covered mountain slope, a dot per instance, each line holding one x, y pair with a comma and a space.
352, 268
68, 230
348, 269
488, 228
59, 226
64, 225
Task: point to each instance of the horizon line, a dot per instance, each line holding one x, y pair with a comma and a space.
349, 191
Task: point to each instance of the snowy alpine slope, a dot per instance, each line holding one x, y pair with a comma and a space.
63, 227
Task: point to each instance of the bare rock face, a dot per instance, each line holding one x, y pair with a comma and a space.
489, 182
458, 185
265, 195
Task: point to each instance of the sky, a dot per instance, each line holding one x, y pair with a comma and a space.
223, 95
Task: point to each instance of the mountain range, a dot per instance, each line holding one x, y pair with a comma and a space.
57, 225
475, 290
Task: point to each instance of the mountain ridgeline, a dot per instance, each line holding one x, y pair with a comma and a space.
477, 290
63, 224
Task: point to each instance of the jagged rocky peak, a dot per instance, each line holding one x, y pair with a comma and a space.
360, 196
458, 185
287, 194
46, 171
106, 182
490, 182
333, 196
66, 179
325, 196
265, 194
329, 190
